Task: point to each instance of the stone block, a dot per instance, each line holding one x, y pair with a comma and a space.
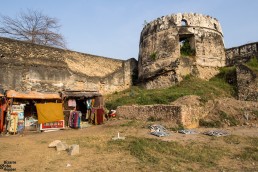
54, 143
61, 146
74, 150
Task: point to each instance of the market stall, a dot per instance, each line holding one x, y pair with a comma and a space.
26, 113
82, 106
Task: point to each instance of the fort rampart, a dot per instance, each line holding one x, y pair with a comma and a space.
25, 67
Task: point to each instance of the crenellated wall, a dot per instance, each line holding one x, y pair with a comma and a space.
161, 63
25, 66
241, 54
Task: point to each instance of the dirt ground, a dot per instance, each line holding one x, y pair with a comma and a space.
30, 152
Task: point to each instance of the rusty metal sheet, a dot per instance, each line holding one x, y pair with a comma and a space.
32, 95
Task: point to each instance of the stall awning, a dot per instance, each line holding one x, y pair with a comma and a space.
79, 94
32, 95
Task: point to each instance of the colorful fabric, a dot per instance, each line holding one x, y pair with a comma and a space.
97, 116
88, 102
75, 119
49, 112
13, 123
92, 102
100, 113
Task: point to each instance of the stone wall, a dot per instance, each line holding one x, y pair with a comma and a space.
160, 58
241, 54
177, 114
25, 67
247, 83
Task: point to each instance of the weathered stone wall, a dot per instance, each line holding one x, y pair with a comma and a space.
178, 114
159, 55
157, 112
241, 54
25, 67
247, 83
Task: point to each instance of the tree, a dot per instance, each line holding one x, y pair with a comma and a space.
33, 26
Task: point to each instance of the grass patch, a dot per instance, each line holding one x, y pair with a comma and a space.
207, 90
249, 153
177, 128
131, 123
253, 64
210, 123
255, 113
222, 117
153, 119
232, 139
225, 117
151, 151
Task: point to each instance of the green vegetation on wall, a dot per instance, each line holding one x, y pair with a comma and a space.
153, 56
186, 49
253, 63
207, 90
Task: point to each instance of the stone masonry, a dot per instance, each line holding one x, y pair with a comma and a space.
187, 115
241, 54
25, 67
160, 61
247, 83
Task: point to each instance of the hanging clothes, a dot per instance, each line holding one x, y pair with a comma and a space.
88, 102
100, 116
72, 102
75, 119
97, 116
13, 123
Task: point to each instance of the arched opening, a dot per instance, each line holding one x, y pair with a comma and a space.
215, 26
183, 22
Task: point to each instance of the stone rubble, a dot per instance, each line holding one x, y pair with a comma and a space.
62, 146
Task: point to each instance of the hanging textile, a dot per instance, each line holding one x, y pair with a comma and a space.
13, 122
49, 112
75, 119
72, 102
88, 102
99, 117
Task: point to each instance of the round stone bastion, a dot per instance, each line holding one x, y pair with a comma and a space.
174, 46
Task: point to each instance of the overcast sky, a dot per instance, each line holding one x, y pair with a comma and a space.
111, 28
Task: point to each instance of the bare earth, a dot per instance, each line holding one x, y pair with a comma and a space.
98, 153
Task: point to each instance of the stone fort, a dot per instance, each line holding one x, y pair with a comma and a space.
162, 64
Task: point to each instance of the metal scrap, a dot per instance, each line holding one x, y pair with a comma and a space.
158, 130
187, 132
216, 133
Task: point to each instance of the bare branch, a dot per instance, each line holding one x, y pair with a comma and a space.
34, 27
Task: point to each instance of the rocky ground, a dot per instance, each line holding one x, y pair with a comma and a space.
140, 151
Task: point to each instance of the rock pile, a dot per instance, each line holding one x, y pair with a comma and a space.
62, 146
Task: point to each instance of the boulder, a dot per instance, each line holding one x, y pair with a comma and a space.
61, 146
54, 143
74, 150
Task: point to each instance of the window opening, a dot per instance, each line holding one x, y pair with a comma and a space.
215, 26
183, 22
187, 45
